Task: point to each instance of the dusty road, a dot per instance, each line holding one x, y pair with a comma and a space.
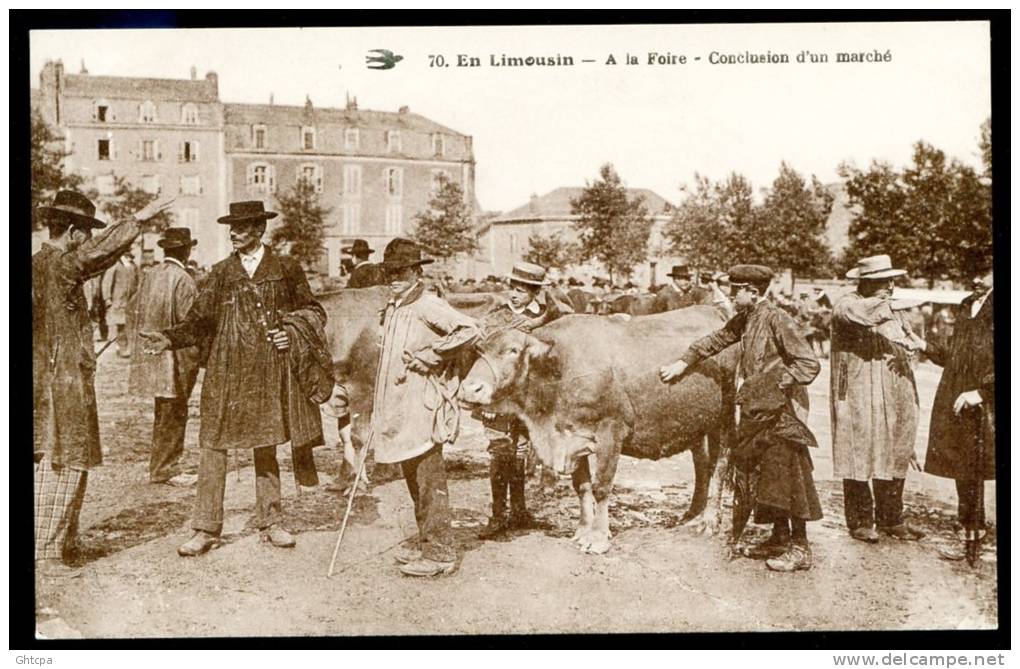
657, 576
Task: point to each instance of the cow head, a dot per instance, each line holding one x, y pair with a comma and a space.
507, 360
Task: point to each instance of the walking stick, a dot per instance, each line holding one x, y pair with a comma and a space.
973, 541
105, 346
350, 505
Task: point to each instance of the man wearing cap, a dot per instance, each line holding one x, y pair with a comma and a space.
164, 298
777, 365
251, 398
680, 292
365, 274
873, 403
528, 305
64, 363
415, 410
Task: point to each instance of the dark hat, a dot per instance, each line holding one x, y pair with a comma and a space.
680, 272
176, 237
250, 211
401, 253
358, 248
750, 275
574, 282
706, 276
529, 273
74, 207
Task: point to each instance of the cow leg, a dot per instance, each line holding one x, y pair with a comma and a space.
609, 440
704, 462
581, 479
709, 521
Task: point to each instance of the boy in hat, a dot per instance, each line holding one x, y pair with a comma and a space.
365, 274
777, 365
528, 305
874, 405
680, 292
64, 362
251, 398
164, 297
415, 411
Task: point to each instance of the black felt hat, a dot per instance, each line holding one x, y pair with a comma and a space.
401, 253
249, 211
75, 208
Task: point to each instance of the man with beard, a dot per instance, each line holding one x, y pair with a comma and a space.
873, 400
773, 437
251, 397
64, 364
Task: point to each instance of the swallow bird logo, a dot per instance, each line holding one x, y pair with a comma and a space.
385, 60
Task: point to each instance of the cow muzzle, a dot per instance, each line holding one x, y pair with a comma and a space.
474, 391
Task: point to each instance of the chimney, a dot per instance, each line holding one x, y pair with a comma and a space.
352, 103
213, 79
194, 73
533, 203
83, 69
404, 110
308, 102
270, 99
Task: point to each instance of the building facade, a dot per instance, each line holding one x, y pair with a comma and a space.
163, 135
374, 171
506, 241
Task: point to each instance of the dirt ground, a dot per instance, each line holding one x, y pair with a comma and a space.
658, 576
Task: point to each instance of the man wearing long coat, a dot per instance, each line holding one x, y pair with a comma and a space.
416, 410
680, 292
122, 285
873, 401
164, 299
963, 415
250, 398
64, 362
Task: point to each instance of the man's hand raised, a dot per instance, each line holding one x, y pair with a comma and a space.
154, 208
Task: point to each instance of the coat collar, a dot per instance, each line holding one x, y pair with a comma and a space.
270, 269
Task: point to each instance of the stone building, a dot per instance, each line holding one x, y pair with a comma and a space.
373, 170
163, 135
506, 241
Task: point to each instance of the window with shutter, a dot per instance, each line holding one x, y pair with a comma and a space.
194, 152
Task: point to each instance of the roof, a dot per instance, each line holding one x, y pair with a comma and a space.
247, 114
141, 88
556, 204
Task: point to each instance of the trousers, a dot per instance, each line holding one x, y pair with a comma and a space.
425, 476
862, 509
171, 420
212, 482
968, 511
59, 494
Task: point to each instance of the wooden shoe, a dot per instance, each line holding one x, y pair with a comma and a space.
278, 536
796, 559
427, 568
770, 548
903, 532
866, 534
55, 569
199, 543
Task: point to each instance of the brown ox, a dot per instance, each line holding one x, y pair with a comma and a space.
643, 304
588, 390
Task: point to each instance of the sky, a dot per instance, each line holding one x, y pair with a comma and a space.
538, 128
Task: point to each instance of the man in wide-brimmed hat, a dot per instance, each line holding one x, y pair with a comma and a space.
528, 305
164, 298
680, 292
415, 410
873, 402
64, 362
773, 440
251, 397
365, 274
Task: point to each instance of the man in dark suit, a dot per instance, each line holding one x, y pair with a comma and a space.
365, 274
681, 292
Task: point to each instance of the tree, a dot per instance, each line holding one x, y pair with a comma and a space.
48, 174
126, 200
551, 251
791, 229
446, 229
301, 225
985, 145
695, 229
933, 218
613, 229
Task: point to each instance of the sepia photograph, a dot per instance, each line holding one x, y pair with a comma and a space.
513, 329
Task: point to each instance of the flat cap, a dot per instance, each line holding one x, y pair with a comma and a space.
754, 275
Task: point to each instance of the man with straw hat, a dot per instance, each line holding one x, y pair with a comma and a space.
251, 398
528, 305
415, 410
873, 403
164, 298
64, 363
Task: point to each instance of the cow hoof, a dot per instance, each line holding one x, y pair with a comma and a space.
580, 535
591, 541
701, 526
598, 546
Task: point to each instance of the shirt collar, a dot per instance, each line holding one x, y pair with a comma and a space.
409, 295
175, 261
256, 256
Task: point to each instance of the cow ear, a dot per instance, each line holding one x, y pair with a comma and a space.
542, 359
